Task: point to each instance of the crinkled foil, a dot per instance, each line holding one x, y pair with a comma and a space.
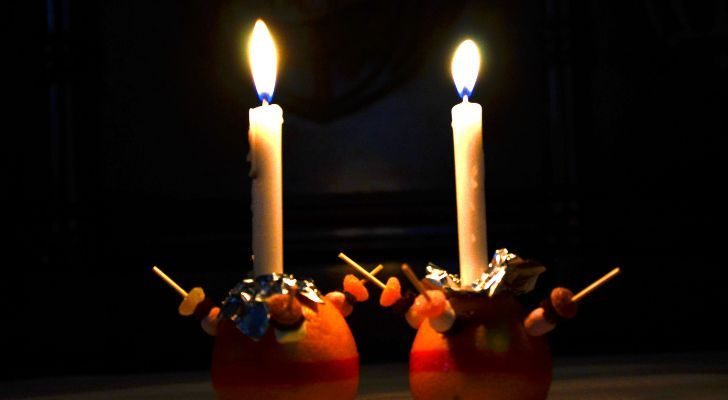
439, 277
506, 272
246, 305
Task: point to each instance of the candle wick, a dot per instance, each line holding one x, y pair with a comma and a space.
465, 98
265, 102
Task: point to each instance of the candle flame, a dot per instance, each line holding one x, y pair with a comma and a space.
263, 58
465, 67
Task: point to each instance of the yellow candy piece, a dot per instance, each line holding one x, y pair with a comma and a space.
188, 305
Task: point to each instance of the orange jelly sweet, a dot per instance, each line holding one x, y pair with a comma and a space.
486, 355
324, 364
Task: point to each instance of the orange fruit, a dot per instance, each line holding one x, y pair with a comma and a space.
486, 355
324, 364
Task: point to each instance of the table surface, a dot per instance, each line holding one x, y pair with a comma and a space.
676, 376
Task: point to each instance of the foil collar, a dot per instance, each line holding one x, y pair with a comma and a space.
506, 272
246, 305
441, 278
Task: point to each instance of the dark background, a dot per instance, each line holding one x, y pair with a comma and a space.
605, 127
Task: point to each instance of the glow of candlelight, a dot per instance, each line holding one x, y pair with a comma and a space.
465, 66
263, 58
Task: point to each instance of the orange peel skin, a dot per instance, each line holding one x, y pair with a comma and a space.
323, 364
487, 355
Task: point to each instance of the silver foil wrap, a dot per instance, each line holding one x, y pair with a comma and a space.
506, 272
246, 305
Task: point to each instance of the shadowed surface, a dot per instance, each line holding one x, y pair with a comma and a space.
676, 376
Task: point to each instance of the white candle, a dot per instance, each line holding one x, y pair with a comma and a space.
264, 136
467, 129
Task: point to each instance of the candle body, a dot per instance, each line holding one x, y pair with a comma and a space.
467, 127
266, 191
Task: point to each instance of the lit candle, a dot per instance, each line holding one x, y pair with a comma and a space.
264, 136
467, 129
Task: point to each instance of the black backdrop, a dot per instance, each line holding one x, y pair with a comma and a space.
605, 129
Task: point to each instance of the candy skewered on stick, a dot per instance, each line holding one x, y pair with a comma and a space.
285, 309
190, 299
431, 304
194, 303
391, 292
362, 271
562, 304
375, 271
392, 296
356, 287
415, 282
286, 316
599, 282
170, 282
354, 290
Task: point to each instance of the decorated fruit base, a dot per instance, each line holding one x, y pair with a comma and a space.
278, 338
486, 355
324, 364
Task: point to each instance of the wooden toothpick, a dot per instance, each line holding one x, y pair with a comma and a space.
416, 282
362, 271
169, 281
596, 284
375, 271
